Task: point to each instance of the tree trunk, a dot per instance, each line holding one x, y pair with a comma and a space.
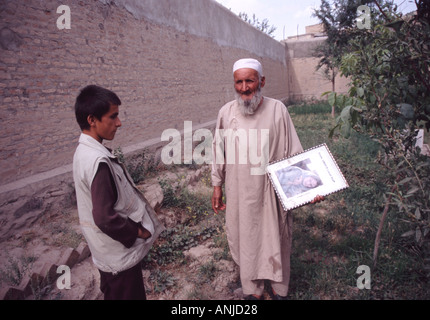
333, 86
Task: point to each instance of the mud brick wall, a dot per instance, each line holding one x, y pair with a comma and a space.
306, 83
169, 61
163, 76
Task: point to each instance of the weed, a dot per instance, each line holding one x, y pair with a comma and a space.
161, 280
16, 270
196, 205
197, 294
208, 270
174, 241
170, 198
138, 166
319, 107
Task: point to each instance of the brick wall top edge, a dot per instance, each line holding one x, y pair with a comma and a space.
205, 18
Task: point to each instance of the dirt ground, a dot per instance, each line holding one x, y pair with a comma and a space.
85, 280
59, 230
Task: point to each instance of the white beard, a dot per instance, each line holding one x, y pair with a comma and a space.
248, 107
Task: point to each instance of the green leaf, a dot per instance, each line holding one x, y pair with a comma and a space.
405, 180
345, 115
413, 190
396, 25
346, 130
332, 131
408, 234
418, 235
417, 214
332, 98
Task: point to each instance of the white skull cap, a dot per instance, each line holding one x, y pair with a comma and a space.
248, 63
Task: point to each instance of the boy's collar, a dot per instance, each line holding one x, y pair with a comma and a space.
93, 143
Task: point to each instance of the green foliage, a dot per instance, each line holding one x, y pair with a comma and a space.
138, 166
208, 270
314, 108
333, 238
388, 66
16, 269
162, 280
170, 197
411, 195
339, 22
196, 205
174, 241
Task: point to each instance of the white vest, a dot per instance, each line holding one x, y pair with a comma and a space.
108, 254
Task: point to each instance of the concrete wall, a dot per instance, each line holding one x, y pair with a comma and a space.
169, 61
315, 28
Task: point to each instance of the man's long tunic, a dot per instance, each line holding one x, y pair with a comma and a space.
258, 230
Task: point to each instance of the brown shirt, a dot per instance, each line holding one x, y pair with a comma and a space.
104, 196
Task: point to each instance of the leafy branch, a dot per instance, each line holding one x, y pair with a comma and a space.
260, 25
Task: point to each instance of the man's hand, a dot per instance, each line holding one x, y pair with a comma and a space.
217, 203
318, 199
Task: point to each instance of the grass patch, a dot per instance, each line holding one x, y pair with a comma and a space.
333, 238
319, 107
14, 271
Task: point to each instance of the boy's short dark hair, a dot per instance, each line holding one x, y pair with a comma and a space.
96, 101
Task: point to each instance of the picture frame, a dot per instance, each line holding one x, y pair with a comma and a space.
298, 179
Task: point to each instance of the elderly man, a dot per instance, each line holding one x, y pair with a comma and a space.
259, 231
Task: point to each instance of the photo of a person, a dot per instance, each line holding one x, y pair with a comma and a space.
295, 180
299, 178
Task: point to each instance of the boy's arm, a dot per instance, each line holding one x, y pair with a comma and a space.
104, 196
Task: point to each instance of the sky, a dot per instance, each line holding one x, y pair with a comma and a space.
290, 17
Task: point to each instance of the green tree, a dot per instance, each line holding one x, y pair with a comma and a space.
339, 22
389, 99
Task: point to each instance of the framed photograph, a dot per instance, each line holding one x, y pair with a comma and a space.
298, 179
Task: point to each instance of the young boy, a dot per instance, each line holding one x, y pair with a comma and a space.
116, 219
